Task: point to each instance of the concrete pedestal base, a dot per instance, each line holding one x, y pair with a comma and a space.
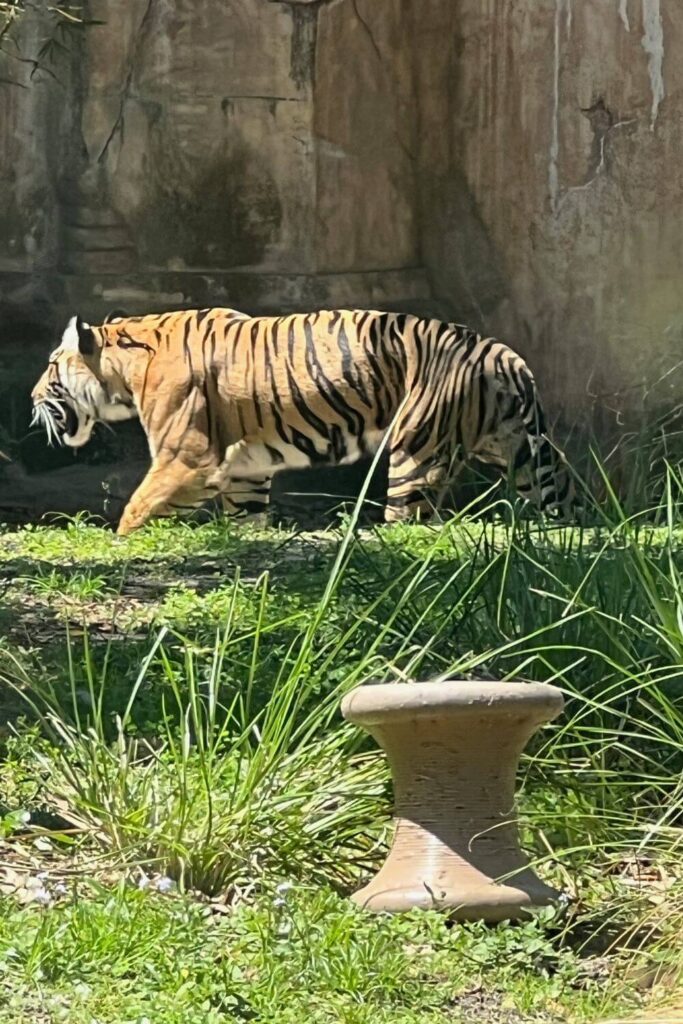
454, 748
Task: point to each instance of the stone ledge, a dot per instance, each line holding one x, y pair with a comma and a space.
259, 293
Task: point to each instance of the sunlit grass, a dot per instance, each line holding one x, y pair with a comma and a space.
212, 751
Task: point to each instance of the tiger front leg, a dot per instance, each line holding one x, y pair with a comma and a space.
169, 485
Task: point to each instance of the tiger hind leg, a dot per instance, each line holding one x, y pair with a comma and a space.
418, 482
243, 497
542, 477
538, 471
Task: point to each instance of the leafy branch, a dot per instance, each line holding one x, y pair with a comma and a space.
58, 17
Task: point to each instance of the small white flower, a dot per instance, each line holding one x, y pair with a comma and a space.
279, 902
41, 896
283, 888
165, 885
143, 882
61, 889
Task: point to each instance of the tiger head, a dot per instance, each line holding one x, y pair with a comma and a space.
76, 390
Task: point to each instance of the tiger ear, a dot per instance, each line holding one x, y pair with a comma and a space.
78, 337
86, 338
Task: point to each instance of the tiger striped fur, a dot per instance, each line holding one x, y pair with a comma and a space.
227, 400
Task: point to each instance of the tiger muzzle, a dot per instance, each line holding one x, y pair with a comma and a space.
58, 420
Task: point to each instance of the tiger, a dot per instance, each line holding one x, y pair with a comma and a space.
228, 400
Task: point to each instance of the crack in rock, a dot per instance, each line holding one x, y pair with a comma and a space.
603, 122
378, 53
368, 30
125, 91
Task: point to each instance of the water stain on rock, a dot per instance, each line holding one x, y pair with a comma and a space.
222, 216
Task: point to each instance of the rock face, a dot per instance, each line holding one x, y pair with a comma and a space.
513, 165
555, 127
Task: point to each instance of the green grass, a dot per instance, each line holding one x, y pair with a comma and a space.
123, 954
172, 707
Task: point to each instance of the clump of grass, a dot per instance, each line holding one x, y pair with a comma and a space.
222, 797
75, 586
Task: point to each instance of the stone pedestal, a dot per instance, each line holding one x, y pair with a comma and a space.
454, 748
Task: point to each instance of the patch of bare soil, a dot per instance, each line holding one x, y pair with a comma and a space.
483, 1005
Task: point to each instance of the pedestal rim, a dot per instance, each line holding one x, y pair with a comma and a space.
376, 702
492, 902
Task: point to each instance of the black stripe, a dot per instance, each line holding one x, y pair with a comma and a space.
267, 361
125, 341
398, 326
422, 436
401, 500
339, 450
304, 410
279, 425
482, 392
354, 421
564, 491
355, 382
382, 417
254, 394
186, 336
209, 423
253, 335
249, 507
522, 456
236, 339
274, 327
276, 456
417, 473
306, 446
208, 331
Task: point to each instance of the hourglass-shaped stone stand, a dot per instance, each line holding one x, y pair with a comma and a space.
453, 748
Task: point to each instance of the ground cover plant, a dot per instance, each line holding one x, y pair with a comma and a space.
183, 813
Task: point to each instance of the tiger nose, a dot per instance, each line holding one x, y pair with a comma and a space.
38, 393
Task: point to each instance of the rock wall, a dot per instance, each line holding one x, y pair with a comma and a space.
560, 179
515, 165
